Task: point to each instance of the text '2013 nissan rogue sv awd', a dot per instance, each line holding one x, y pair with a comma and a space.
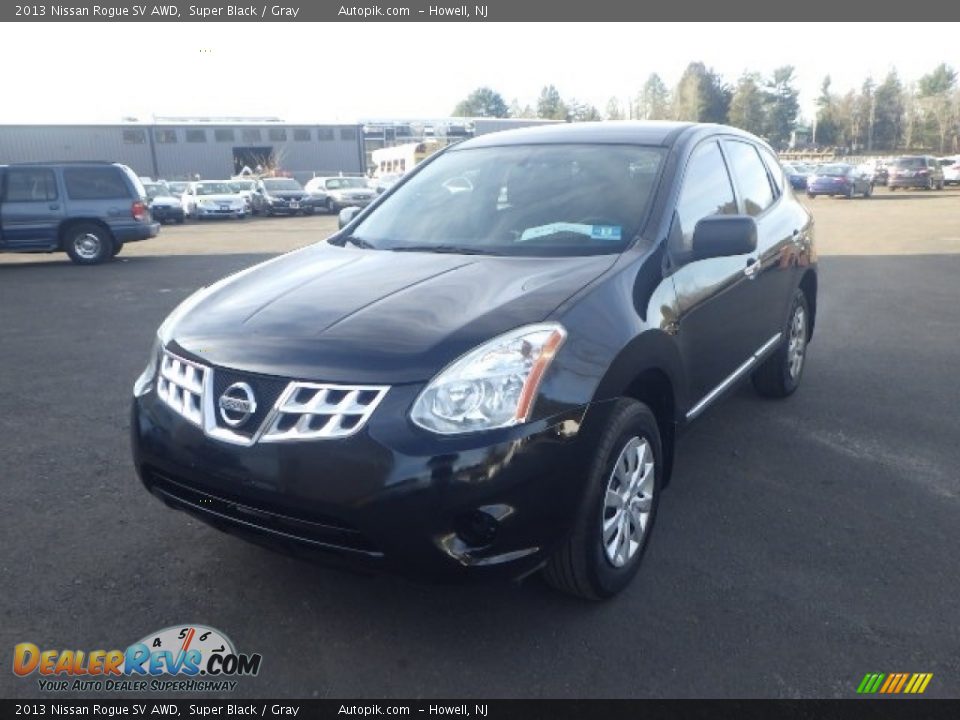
483, 373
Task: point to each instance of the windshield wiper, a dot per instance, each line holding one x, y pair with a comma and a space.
452, 249
359, 242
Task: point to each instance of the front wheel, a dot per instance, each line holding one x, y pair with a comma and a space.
616, 517
88, 243
869, 191
332, 206
779, 375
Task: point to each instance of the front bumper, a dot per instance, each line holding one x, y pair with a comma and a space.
391, 497
164, 213
231, 212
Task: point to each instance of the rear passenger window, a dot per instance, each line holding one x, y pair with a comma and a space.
706, 191
751, 176
31, 185
95, 183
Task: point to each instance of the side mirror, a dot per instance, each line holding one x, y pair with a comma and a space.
347, 215
724, 235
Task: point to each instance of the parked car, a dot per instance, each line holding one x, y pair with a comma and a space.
342, 192
177, 187
839, 179
86, 209
384, 182
916, 171
797, 174
284, 196
245, 188
163, 206
212, 198
950, 166
451, 386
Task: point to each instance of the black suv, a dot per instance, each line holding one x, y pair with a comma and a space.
485, 371
87, 209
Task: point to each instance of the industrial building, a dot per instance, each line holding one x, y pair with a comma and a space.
184, 150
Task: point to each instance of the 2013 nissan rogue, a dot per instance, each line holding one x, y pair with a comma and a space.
485, 371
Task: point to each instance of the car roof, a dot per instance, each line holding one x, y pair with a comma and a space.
620, 132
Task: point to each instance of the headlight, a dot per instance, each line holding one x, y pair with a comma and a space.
492, 386
142, 383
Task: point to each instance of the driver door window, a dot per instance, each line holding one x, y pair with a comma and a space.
706, 191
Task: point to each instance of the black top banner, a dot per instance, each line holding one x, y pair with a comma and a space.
484, 11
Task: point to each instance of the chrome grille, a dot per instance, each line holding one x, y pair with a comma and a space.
303, 411
181, 385
309, 411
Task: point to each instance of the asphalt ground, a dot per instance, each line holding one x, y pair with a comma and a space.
802, 543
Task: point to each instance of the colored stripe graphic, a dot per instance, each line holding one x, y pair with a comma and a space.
894, 683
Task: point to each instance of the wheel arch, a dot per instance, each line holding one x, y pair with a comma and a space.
68, 223
649, 370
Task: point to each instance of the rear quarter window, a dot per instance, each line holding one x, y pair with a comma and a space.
96, 183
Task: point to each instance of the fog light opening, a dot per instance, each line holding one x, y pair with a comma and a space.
476, 529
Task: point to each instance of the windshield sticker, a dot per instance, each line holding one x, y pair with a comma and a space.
595, 232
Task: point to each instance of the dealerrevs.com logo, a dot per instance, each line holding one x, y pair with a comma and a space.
178, 658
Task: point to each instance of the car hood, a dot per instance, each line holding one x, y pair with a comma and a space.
350, 315
219, 198
286, 194
164, 201
351, 192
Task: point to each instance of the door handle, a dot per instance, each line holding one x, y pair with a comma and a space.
752, 268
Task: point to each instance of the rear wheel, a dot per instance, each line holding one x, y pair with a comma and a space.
851, 192
88, 243
614, 521
869, 191
332, 206
780, 374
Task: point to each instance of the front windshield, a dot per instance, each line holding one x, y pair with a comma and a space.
341, 183
834, 170
242, 185
154, 190
548, 200
177, 186
276, 184
214, 188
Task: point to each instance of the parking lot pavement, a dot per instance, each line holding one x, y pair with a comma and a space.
801, 544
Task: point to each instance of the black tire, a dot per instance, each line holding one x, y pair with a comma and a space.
774, 378
852, 192
580, 566
811, 196
332, 206
869, 191
88, 243
180, 220
307, 211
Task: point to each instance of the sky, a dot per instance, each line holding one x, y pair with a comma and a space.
344, 72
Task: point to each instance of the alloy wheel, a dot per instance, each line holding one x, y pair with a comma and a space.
628, 502
797, 342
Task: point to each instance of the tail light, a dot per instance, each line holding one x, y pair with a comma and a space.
139, 211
